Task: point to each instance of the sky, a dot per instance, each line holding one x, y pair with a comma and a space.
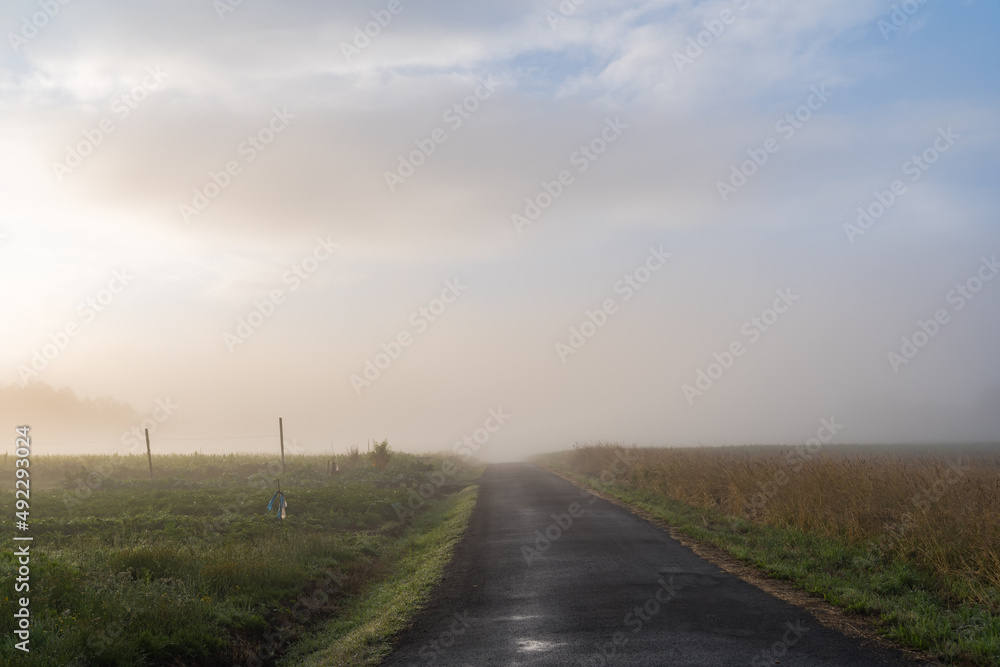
530, 224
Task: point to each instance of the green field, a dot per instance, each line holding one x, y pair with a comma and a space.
192, 570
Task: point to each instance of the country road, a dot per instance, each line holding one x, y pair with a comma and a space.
609, 589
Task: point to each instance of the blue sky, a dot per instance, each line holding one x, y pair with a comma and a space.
323, 175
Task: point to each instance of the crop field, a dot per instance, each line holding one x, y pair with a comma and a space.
192, 569
908, 537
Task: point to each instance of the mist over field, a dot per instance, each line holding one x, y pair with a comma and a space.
531, 224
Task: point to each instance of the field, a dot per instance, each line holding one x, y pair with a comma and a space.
908, 537
192, 569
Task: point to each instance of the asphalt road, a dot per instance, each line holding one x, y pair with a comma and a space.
603, 588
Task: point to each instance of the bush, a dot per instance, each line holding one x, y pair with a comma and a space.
380, 455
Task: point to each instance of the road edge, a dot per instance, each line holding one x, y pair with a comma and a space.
825, 613
378, 616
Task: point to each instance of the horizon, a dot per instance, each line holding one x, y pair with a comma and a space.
130, 442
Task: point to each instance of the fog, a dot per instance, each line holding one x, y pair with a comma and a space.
527, 223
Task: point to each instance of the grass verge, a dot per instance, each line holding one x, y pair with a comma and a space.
362, 635
902, 602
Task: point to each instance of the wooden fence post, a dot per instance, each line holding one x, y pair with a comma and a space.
281, 434
149, 455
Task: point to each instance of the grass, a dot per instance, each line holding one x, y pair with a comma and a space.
893, 535
191, 570
361, 636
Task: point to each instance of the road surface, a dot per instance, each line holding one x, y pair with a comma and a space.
548, 575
